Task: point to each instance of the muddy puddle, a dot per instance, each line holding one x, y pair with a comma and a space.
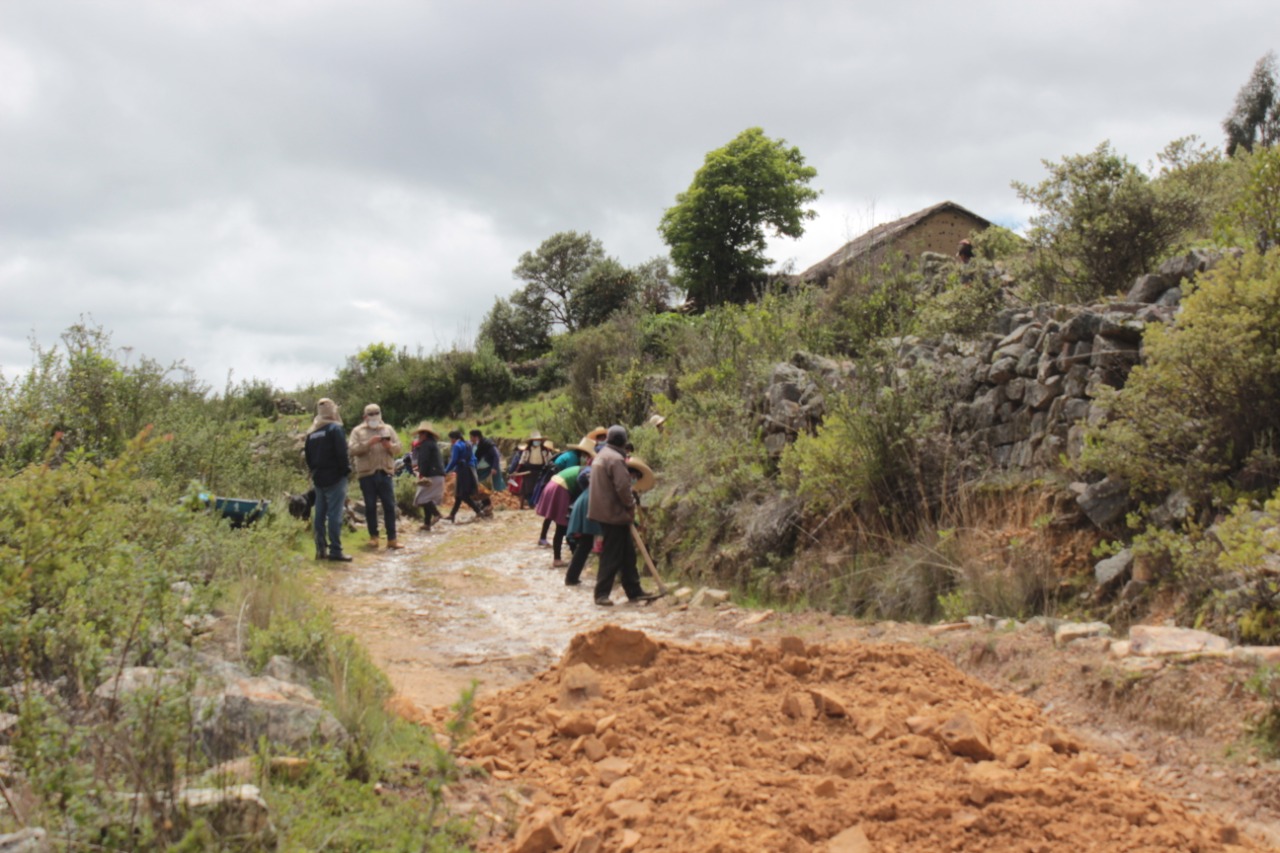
478, 601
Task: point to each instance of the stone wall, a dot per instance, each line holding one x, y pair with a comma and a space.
1026, 392
1023, 394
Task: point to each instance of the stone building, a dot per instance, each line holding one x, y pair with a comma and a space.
935, 229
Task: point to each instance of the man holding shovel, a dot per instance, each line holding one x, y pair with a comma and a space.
612, 504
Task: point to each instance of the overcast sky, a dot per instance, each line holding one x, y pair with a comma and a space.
266, 186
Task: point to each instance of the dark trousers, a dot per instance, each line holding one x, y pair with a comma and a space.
581, 548
379, 487
469, 501
618, 558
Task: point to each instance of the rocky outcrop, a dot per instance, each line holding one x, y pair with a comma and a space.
794, 400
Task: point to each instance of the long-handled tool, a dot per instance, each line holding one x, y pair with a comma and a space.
648, 561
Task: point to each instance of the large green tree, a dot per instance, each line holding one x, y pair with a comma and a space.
1255, 118
717, 228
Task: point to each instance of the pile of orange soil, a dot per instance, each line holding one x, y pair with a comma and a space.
631, 744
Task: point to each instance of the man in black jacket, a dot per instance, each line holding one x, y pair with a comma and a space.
327, 460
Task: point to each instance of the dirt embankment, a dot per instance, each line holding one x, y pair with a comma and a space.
629, 744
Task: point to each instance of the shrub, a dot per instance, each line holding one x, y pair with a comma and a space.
1204, 403
1100, 224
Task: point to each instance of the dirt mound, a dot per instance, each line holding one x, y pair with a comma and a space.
796, 747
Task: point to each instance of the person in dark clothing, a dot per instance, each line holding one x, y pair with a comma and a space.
329, 464
488, 461
430, 469
614, 481
462, 464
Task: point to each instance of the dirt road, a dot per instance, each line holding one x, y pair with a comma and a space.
1164, 760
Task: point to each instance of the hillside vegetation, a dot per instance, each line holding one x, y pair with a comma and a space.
109, 564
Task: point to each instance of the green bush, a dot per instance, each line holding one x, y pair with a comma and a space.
1199, 413
1101, 223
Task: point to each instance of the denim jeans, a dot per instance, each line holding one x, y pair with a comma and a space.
379, 486
331, 501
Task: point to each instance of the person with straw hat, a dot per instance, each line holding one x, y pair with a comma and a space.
573, 456
614, 481
558, 496
430, 467
532, 464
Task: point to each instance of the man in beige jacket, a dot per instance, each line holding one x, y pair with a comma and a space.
374, 448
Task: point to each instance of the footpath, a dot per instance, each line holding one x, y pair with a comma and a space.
674, 728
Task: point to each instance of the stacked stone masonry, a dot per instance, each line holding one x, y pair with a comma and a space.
1026, 393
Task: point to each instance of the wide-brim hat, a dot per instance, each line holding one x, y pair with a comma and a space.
647, 478
549, 444
598, 434
535, 436
426, 427
586, 446
656, 420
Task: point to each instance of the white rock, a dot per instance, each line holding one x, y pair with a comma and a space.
1068, 631
1159, 641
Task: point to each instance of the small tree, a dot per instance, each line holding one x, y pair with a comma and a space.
716, 230
1255, 118
516, 333
1101, 224
553, 271
1254, 214
602, 290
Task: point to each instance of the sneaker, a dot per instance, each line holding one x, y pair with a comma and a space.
646, 596
340, 558
543, 543
603, 602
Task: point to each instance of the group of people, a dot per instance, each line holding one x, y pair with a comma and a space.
558, 484
590, 493
372, 453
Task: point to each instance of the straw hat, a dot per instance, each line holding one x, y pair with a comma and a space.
656, 421
426, 427
586, 446
549, 444
597, 435
647, 478
535, 436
